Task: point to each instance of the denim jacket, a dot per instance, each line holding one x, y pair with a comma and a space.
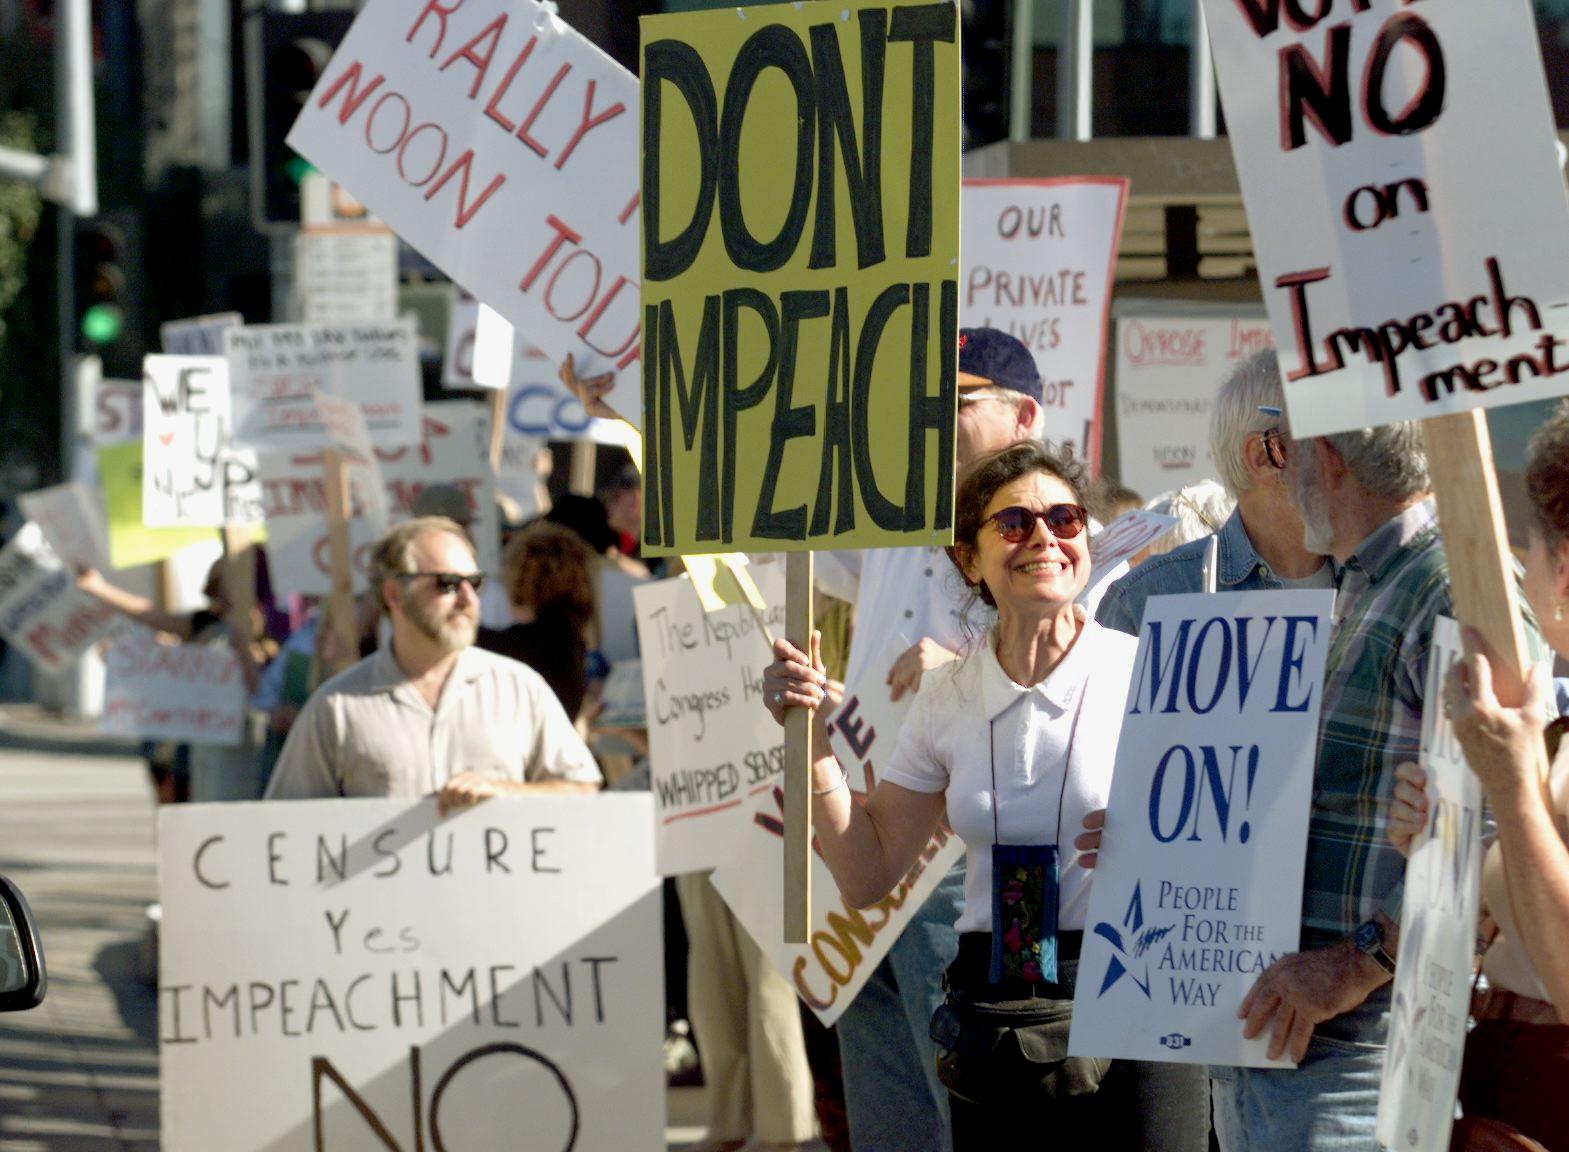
1182, 570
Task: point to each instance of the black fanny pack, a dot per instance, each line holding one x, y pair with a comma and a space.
999, 1044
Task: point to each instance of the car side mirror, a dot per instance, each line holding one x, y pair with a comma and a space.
22, 976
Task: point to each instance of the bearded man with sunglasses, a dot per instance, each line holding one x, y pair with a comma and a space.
431, 713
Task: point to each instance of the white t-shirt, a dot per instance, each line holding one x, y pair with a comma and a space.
971, 710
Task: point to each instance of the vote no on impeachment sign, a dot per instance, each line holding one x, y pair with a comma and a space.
800, 276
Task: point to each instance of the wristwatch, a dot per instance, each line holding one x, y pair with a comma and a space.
1369, 939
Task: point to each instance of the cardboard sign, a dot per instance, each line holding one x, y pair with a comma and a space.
457, 434
457, 364
198, 336
1169, 368
42, 612
1127, 536
191, 476
131, 543
344, 422
116, 411
275, 368
800, 276
72, 521
181, 692
1198, 889
865, 726
711, 743
1370, 140
502, 145
1039, 260
347, 277
1432, 996
363, 974
844, 945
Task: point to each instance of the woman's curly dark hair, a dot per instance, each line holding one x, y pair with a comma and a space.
981, 480
1547, 476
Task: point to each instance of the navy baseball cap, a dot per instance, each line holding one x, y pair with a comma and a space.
989, 358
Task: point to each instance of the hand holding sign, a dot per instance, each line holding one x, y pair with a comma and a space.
1302, 990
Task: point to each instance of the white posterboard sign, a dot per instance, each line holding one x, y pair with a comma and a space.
275, 368
865, 726
1117, 543
72, 520
363, 974
43, 614
116, 411
190, 693
453, 451
457, 364
1438, 918
347, 277
1169, 369
1039, 259
844, 945
1198, 889
712, 745
199, 335
344, 422
1370, 141
191, 476
502, 145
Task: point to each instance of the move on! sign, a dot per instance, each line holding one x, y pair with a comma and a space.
800, 262
1410, 288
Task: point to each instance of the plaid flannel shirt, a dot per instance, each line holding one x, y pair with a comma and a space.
1391, 591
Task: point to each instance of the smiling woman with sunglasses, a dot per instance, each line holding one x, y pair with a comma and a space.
1015, 743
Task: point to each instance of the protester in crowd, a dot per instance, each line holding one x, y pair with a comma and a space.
1109, 500
1047, 685
212, 772
548, 573
1201, 508
895, 1101
452, 502
1512, 1081
622, 496
1363, 498
615, 577
430, 712
1260, 543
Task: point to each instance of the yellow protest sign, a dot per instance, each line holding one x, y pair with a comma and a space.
130, 543
800, 276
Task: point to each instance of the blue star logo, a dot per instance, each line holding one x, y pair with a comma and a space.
1141, 940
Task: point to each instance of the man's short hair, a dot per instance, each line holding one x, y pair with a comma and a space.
393, 554
1390, 462
1235, 416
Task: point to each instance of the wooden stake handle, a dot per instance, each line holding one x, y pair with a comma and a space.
798, 762
340, 603
239, 576
498, 427
1476, 542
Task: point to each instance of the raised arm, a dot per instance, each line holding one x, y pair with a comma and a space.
129, 604
868, 847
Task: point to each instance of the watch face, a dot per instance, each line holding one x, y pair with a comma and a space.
1369, 936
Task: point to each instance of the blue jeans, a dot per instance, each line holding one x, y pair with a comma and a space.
891, 1092
1328, 1103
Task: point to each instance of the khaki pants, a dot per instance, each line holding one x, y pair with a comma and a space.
748, 1026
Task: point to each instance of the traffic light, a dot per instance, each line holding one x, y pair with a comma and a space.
107, 279
984, 51
286, 53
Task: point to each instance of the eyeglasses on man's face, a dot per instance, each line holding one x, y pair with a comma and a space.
447, 582
1274, 447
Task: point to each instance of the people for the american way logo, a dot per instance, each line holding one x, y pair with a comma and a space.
1131, 956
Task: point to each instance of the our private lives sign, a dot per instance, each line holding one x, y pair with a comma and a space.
1372, 138
1199, 884
365, 974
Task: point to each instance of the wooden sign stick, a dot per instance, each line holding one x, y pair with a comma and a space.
498, 427
239, 576
340, 603
585, 459
798, 762
1481, 572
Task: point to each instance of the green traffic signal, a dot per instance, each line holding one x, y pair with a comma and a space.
102, 323
297, 168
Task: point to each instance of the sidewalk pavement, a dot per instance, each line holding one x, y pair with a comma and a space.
77, 835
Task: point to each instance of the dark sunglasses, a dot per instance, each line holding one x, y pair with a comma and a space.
1274, 447
448, 582
1014, 524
